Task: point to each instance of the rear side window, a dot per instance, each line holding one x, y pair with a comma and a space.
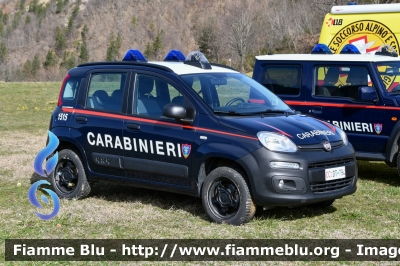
106, 91
285, 80
71, 90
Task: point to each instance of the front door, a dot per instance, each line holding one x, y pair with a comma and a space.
336, 99
160, 149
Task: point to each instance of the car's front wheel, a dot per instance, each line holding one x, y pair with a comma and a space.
68, 178
226, 197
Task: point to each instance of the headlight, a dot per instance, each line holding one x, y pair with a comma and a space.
276, 142
343, 136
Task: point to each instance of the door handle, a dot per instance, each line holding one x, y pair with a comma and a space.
316, 109
81, 119
134, 127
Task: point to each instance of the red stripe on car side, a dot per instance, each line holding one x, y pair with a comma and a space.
87, 112
341, 105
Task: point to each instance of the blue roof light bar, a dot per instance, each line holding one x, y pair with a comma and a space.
135, 56
321, 49
175, 56
350, 49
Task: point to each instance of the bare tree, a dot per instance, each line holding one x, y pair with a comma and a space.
240, 30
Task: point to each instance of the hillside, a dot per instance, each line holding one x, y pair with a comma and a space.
41, 39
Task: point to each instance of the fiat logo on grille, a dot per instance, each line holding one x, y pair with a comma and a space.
327, 146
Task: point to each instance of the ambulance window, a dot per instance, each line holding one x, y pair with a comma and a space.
105, 91
341, 81
282, 79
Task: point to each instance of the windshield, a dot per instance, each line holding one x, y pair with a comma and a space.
390, 75
234, 93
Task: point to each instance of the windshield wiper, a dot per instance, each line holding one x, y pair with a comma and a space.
231, 112
270, 111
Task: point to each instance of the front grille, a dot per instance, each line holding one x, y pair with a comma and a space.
329, 186
331, 163
320, 146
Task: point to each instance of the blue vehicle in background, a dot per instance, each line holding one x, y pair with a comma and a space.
187, 126
360, 93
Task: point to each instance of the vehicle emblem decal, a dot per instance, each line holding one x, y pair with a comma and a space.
378, 128
186, 148
327, 146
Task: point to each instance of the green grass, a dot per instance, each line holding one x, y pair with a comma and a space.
26, 106
113, 211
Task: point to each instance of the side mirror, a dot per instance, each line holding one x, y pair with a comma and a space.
174, 111
178, 112
367, 94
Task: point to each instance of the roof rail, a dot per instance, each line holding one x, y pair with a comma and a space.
126, 63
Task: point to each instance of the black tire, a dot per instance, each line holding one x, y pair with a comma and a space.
68, 178
398, 163
323, 204
226, 197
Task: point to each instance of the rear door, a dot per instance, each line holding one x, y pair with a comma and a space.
98, 125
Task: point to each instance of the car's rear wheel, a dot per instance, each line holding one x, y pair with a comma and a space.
68, 178
398, 163
226, 197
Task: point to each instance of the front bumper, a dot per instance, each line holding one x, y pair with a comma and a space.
301, 186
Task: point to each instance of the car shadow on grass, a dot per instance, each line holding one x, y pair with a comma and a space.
295, 213
160, 199
167, 201
193, 205
378, 172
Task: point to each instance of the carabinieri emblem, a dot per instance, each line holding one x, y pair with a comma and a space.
186, 148
378, 128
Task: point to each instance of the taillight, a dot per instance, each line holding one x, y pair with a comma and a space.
62, 90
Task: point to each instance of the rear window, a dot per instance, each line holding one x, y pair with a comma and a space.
71, 90
282, 79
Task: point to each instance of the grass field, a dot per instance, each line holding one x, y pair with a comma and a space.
123, 212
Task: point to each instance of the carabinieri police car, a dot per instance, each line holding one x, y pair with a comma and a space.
360, 93
187, 126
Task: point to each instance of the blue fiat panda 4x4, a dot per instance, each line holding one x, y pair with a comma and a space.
360, 93
187, 126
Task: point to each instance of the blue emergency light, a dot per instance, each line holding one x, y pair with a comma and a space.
350, 49
175, 56
321, 49
135, 56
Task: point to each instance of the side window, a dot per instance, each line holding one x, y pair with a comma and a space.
281, 79
105, 91
341, 81
70, 90
152, 94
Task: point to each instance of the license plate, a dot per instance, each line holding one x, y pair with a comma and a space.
335, 173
